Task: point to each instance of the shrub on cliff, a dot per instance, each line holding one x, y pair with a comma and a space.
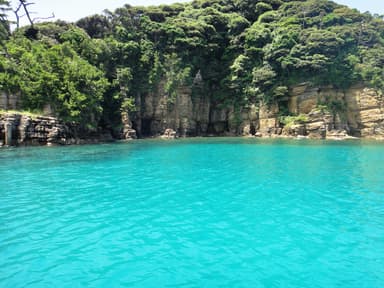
54, 75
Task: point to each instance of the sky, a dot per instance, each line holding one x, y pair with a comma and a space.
72, 10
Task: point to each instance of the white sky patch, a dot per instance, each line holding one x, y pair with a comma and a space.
73, 10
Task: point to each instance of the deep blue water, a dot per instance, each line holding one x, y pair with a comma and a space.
193, 213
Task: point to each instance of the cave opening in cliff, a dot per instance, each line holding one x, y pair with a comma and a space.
252, 130
146, 127
135, 127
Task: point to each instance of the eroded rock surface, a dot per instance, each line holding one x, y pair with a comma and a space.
23, 130
330, 113
324, 113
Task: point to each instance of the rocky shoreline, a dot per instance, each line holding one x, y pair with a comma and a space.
320, 113
316, 112
24, 130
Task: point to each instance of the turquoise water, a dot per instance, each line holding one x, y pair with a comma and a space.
193, 213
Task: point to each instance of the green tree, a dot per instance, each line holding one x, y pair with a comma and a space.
4, 23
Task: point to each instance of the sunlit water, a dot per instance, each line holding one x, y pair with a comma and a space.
193, 213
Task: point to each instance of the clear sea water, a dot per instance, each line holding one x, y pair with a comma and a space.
193, 213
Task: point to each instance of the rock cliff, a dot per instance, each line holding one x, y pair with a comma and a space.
191, 113
332, 113
187, 114
317, 112
24, 130
326, 112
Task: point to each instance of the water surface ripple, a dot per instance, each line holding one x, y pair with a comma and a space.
193, 213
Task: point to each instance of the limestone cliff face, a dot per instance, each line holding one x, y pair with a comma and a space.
9, 101
191, 113
187, 114
365, 112
17, 129
22, 130
325, 112
329, 113
332, 113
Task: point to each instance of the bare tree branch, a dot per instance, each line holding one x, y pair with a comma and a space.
44, 18
23, 5
17, 16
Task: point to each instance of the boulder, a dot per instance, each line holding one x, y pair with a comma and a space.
169, 134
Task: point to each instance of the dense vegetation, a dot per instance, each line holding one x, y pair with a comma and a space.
244, 50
